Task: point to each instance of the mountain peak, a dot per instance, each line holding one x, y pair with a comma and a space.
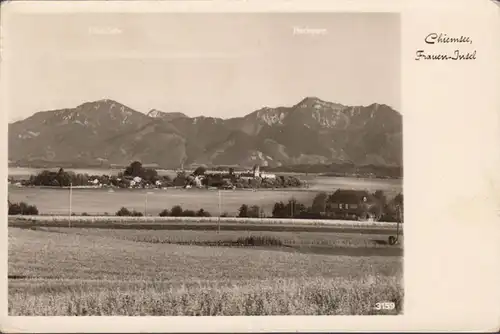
104, 104
309, 99
317, 103
155, 113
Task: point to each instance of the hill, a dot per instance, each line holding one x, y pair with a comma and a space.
310, 132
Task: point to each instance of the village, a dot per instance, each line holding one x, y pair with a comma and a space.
135, 176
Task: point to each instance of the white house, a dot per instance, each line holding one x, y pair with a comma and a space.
197, 182
267, 175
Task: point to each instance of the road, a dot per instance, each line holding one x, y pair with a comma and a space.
207, 223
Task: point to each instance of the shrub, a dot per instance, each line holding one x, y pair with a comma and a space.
259, 241
176, 211
137, 214
164, 213
85, 214
123, 212
202, 213
243, 211
254, 211
188, 213
22, 209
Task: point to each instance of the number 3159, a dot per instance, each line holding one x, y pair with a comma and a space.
385, 306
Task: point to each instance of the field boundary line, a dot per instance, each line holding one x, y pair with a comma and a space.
236, 220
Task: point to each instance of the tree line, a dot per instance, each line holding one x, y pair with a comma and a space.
391, 209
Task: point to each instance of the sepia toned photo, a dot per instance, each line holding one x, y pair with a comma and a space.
205, 164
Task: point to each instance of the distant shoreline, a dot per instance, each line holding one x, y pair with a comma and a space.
172, 171
359, 172
162, 189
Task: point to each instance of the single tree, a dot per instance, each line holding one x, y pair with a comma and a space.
254, 211
199, 171
279, 210
319, 203
134, 169
243, 211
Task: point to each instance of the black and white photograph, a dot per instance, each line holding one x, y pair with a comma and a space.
204, 164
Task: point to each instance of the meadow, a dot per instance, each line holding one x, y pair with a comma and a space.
85, 271
153, 201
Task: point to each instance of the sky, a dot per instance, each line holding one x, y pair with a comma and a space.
212, 64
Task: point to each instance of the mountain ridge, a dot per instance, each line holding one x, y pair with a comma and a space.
116, 134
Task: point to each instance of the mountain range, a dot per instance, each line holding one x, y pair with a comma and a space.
312, 131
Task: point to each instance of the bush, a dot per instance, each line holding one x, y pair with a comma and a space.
22, 209
259, 241
243, 211
123, 212
176, 211
85, 214
164, 213
202, 213
254, 211
188, 213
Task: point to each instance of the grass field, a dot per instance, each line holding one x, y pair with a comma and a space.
61, 271
100, 201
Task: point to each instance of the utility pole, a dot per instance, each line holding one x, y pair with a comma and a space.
220, 212
146, 203
70, 202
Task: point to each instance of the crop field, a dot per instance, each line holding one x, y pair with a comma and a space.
85, 271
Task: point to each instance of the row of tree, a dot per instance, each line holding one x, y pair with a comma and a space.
63, 178
22, 208
178, 211
390, 211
